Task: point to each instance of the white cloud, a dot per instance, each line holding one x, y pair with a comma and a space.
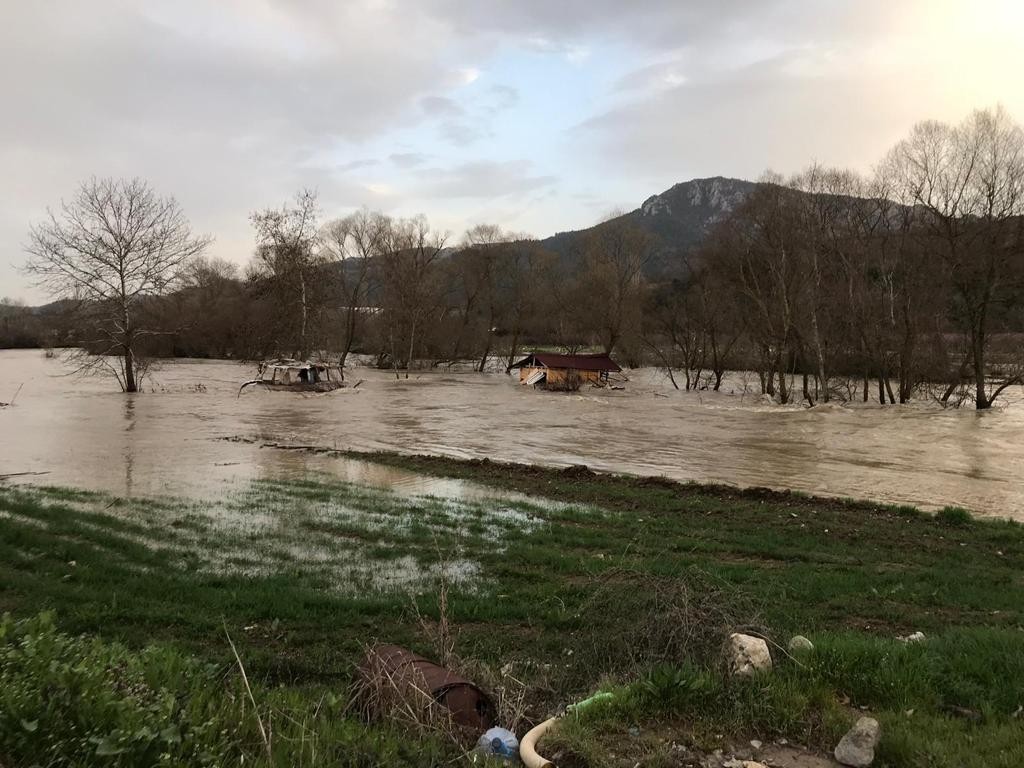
408, 159
481, 179
440, 106
233, 105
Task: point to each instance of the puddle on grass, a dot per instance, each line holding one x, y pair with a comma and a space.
298, 465
346, 537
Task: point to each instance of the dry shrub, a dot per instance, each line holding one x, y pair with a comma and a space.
402, 696
520, 689
403, 699
635, 619
442, 634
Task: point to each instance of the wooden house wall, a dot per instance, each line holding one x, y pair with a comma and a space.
557, 376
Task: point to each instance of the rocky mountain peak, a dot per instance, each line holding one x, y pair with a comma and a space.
717, 195
680, 218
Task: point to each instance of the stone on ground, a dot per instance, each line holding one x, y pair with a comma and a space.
857, 748
913, 637
748, 655
800, 644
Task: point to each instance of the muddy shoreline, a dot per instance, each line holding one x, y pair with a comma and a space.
581, 483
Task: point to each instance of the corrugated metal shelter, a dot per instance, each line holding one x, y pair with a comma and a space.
556, 371
392, 671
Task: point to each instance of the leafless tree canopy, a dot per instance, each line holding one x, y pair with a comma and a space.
112, 246
351, 244
411, 291
288, 265
904, 283
967, 183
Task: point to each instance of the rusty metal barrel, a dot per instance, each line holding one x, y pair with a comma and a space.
390, 672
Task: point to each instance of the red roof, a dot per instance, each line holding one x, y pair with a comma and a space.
600, 362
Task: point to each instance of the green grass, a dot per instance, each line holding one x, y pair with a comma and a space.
907, 687
567, 595
77, 701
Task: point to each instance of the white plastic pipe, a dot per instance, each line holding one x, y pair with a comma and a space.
527, 747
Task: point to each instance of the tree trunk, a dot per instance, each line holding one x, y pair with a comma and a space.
981, 399
888, 389
412, 348
130, 385
907, 356
513, 351
302, 326
350, 332
818, 353
783, 393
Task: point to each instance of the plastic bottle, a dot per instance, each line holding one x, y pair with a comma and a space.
499, 742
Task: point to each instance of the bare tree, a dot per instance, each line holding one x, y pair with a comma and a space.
675, 331
529, 271
761, 264
967, 182
211, 306
352, 243
614, 256
115, 244
288, 263
475, 278
692, 325
410, 293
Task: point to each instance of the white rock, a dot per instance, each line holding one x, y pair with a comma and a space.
753, 764
857, 747
756, 744
748, 655
913, 637
800, 644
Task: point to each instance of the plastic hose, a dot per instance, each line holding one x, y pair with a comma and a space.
527, 747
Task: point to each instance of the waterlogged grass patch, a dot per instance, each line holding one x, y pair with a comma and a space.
348, 536
632, 580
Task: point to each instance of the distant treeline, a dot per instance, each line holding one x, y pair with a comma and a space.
828, 285
24, 327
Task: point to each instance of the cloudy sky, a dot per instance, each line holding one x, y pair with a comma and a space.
538, 115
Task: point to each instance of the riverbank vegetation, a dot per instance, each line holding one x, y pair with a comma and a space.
565, 582
831, 285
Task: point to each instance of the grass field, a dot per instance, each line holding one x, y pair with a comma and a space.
578, 582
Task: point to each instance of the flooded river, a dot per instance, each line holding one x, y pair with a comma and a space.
171, 440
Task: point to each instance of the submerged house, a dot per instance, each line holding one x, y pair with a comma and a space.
554, 371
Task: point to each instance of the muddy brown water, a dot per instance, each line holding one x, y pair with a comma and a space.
171, 439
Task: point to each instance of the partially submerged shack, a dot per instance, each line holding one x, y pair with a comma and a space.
554, 371
297, 376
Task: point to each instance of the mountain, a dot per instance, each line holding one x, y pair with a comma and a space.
679, 219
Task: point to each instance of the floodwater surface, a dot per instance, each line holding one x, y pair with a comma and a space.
181, 436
